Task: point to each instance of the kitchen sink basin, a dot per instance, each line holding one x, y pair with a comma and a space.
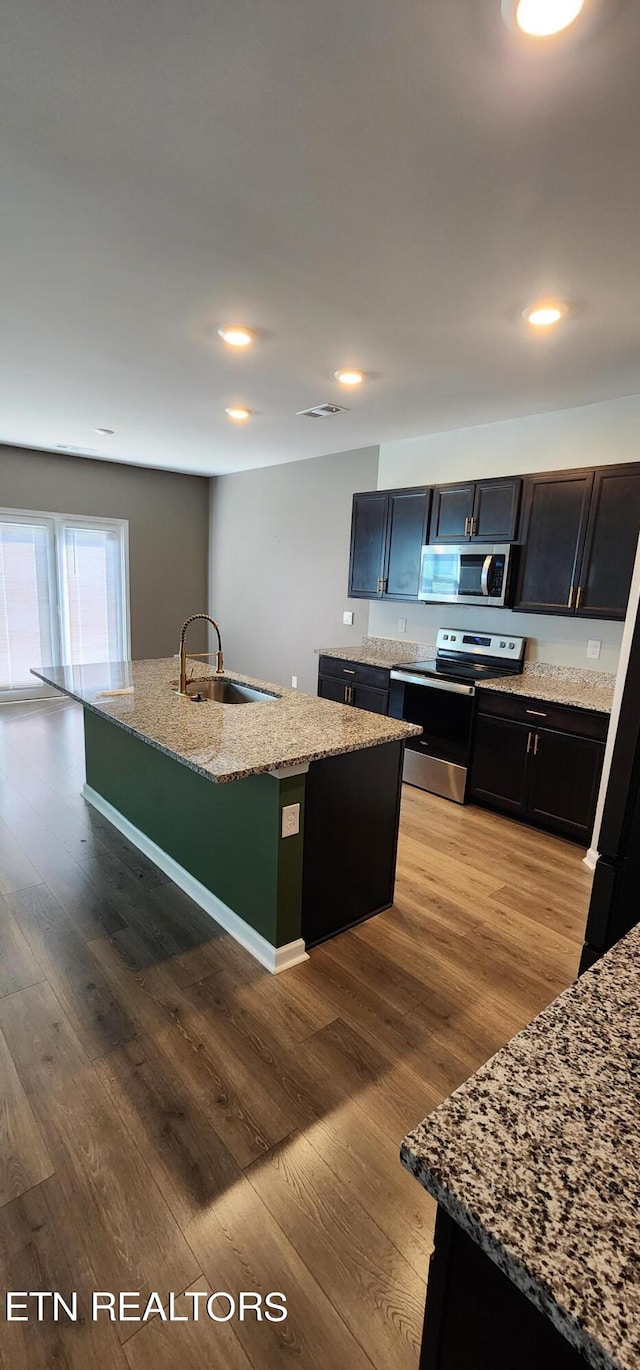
221, 691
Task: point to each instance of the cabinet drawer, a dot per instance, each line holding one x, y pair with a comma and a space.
354, 672
539, 713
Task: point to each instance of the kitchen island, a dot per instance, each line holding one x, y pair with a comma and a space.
535, 1163
279, 816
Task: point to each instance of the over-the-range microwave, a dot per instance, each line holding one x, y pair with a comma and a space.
470, 573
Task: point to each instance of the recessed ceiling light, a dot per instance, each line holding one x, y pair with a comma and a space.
237, 413
104, 432
236, 335
545, 313
542, 18
349, 376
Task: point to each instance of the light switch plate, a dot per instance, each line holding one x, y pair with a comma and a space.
347, 617
593, 648
294, 682
290, 820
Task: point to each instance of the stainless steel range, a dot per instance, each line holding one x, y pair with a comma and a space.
439, 695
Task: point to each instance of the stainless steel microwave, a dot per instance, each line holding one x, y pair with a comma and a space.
467, 574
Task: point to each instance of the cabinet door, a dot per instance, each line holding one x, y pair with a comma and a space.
407, 532
452, 512
376, 701
338, 690
563, 782
499, 759
368, 545
496, 510
554, 522
612, 539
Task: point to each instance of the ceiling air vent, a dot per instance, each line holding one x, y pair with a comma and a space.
321, 411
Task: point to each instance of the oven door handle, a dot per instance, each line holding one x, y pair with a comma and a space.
429, 683
484, 580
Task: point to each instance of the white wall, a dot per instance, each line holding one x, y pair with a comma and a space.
278, 563
593, 435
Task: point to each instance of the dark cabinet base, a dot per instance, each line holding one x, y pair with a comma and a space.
476, 1319
351, 818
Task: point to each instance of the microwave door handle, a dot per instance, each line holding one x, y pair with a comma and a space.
484, 580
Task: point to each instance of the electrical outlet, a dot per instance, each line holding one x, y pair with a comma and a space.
294, 682
347, 617
402, 625
593, 648
290, 820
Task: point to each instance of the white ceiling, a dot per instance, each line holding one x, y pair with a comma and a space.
383, 183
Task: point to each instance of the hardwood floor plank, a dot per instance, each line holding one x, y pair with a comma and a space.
18, 966
189, 1162
16, 870
87, 996
240, 1246
190, 1345
41, 1249
367, 1281
24, 1159
130, 1236
364, 1158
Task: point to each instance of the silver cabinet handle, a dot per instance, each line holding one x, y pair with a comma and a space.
537, 744
536, 712
346, 671
529, 743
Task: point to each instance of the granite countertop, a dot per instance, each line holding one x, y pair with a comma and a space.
382, 651
537, 1157
222, 741
569, 685
560, 685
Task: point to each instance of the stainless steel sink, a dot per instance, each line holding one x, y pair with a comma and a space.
226, 692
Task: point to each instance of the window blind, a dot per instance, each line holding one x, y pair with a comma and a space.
26, 637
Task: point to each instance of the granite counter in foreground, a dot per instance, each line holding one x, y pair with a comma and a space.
297, 844
537, 1159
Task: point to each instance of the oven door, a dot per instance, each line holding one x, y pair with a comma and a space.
468, 574
438, 760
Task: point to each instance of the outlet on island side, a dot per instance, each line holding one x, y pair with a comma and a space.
593, 648
290, 820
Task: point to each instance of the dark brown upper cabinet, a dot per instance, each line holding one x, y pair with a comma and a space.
369, 519
610, 545
580, 530
554, 525
406, 535
476, 511
388, 530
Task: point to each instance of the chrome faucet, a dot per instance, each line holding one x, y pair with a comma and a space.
182, 688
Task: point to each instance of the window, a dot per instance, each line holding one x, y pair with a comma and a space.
64, 594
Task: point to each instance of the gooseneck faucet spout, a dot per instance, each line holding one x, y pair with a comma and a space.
182, 689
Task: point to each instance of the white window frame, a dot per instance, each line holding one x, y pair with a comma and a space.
58, 608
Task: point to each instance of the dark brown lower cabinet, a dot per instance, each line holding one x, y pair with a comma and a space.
354, 683
476, 1318
541, 762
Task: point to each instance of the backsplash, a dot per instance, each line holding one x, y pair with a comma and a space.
559, 641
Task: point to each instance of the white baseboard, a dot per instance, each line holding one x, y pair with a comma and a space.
591, 858
274, 958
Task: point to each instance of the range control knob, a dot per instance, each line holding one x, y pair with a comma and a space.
445, 637
511, 646
503, 644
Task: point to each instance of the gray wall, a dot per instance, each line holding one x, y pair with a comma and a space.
279, 552
168, 530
